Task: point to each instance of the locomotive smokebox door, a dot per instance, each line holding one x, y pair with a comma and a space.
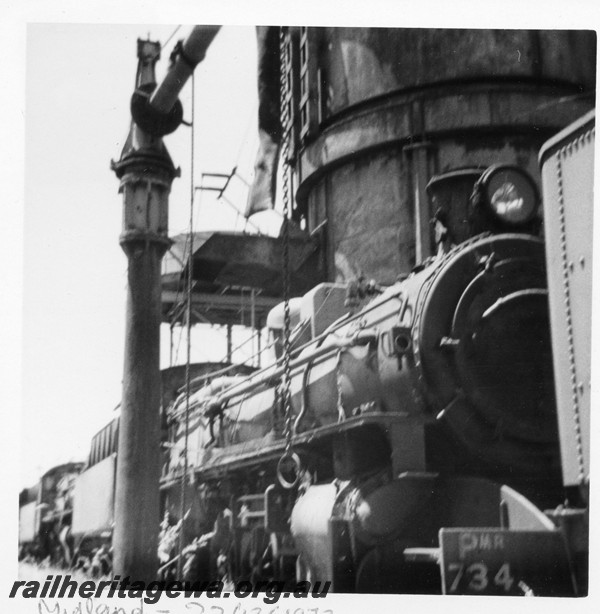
484, 350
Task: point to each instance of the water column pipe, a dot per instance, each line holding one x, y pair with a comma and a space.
157, 109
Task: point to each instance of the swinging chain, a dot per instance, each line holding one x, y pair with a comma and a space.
288, 456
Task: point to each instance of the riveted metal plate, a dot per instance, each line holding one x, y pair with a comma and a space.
567, 176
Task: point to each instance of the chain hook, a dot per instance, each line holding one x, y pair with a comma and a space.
289, 463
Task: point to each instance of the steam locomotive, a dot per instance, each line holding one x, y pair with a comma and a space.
424, 434
426, 455
45, 511
425, 442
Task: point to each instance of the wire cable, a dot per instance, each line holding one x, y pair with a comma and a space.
172, 35
189, 338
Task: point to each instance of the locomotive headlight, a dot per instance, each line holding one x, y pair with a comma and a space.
510, 194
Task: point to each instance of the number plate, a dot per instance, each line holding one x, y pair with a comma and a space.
501, 562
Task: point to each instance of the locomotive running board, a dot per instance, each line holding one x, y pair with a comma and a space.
262, 450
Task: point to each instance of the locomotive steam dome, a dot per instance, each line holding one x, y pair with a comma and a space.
384, 110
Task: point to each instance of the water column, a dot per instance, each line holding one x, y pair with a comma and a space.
145, 171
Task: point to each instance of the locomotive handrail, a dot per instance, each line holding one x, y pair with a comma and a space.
531, 292
237, 390
267, 374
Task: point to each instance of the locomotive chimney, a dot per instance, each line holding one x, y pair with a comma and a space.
145, 171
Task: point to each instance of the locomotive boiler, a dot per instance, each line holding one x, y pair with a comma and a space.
463, 341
